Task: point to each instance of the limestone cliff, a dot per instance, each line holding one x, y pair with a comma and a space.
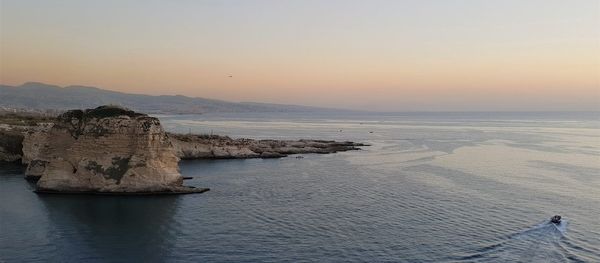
11, 144
35, 141
115, 150
104, 150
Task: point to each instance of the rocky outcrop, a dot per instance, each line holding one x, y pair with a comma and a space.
22, 142
111, 150
11, 145
18, 131
104, 150
190, 146
35, 141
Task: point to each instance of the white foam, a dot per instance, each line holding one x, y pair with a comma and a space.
562, 227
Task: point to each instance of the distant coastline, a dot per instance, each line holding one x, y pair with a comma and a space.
43, 97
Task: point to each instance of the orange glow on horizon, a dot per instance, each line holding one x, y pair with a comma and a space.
375, 70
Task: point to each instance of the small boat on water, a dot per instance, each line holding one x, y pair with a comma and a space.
555, 219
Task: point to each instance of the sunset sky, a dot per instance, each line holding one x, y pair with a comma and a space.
374, 55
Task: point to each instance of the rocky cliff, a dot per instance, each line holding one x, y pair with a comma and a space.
11, 144
104, 150
15, 128
115, 150
190, 146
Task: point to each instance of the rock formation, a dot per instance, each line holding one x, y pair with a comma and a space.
104, 150
115, 150
11, 144
35, 141
190, 146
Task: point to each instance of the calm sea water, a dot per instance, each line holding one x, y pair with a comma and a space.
434, 187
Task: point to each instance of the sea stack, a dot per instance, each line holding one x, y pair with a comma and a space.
107, 150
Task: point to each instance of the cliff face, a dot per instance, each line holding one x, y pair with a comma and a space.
11, 143
34, 144
114, 150
15, 129
192, 146
104, 150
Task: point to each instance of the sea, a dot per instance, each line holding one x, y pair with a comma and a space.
430, 187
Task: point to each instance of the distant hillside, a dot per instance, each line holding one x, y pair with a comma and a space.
33, 95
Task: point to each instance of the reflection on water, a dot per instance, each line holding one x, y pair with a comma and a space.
120, 227
430, 189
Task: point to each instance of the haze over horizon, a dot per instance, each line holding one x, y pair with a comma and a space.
375, 55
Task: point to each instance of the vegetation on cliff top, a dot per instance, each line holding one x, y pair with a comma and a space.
106, 111
110, 111
33, 118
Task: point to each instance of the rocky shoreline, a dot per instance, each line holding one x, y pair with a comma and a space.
191, 147
112, 150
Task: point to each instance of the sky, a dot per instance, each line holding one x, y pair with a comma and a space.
370, 55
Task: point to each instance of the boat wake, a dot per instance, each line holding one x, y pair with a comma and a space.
539, 243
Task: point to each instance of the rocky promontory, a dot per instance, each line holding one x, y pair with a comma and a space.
113, 150
192, 146
105, 150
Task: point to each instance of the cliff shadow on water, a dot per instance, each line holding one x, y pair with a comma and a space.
130, 229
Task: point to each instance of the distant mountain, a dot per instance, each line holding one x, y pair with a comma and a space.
34, 95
